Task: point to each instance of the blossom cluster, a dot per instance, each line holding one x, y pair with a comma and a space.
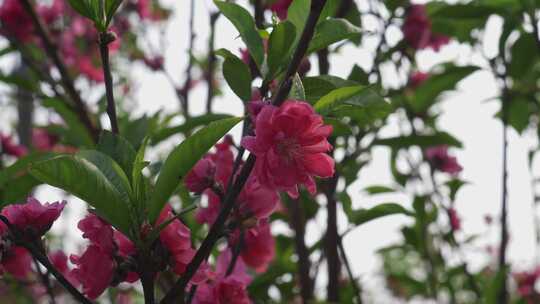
417, 30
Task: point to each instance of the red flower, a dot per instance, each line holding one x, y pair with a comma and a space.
280, 7
455, 221
259, 247
201, 176
8, 147
224, 289
15, 21
43, 140
417, 79
60, 262
440, 160
17, 261
33, 216
176, 238
417, 30
290, 143
88, 69
95, 269
98, 232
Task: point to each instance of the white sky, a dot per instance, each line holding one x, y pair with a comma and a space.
466, 115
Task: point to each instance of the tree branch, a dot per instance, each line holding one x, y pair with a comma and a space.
211, 62
298, 224
356, 288
104, 39
67, 82
184, 102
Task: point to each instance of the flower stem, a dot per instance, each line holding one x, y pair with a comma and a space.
104, 39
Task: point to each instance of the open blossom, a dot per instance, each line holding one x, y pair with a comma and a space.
223, 289
290, 143
33, 216
176, 238
97, 267
417, 30
201, 177
280, 7
258, 249
440, 160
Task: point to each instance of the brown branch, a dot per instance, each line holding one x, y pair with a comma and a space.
211, 62
184, 102
331, 241
356, 288
104, 39
67, 81
298, 224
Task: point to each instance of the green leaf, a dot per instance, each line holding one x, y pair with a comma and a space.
83, 7
524, 55
297, 90
182, 159
423, 141
83, 179
76, 131
244, 23
363, 216
491, 292
111, 6
330, 31
426, 94
280, 45
237, 74
112, 171
119, 149
189, 125
297, 14
378, 189
359, 75
335, 97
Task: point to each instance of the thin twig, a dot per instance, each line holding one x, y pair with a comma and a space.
45, 281
209, 75
67, 81
354, 282
187, 84
104, 39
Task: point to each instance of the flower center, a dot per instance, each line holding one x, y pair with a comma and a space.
288, 148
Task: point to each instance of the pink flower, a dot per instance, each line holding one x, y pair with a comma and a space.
280, 7
8, 147
290, 143
256, 200
201, 177
97, 231
259, 247
51, 13
440, 160
95, 269
17, 261
417, 30
33, 217
15, 21
43, 140
225, 289
60, 262
455, 221
526, 281
417, 79
176, 238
